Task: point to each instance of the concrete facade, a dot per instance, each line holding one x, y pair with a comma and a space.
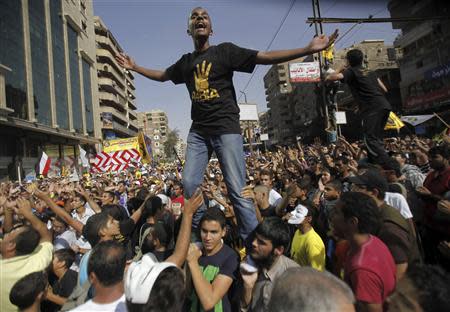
48, 83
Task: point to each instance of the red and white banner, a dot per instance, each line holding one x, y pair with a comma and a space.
44, 164
115, 161
304, 72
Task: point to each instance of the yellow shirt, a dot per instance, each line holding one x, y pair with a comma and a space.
13, 269
308, 249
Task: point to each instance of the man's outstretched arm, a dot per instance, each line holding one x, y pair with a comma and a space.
128, 63
274, 57
334, 77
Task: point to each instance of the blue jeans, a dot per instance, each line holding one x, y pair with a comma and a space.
230, 153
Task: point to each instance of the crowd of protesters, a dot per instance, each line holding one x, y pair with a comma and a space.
335, 233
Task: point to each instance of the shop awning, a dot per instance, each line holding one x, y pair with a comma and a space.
415, 120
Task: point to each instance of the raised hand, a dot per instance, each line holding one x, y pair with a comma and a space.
247, 192
2, 200
193, 253
24, 206
82, 192
322, 42
125, 61
194, 202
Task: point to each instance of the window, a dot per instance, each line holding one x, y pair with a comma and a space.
77, 117
12, 55
88, 110
59, 65
39, 61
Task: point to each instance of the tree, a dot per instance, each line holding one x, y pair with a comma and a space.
171, 142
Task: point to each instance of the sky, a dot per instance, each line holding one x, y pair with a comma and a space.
153, 32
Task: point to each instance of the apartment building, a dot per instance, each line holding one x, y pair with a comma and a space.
425, 60
155, 125
116, 89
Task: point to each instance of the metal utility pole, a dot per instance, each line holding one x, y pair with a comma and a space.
319, 30
249, 132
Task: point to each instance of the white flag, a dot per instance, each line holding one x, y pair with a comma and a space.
84, 160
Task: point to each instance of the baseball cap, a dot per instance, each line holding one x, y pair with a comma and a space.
372, 179
298, 215
141, 276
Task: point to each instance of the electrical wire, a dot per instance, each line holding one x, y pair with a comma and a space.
268, 47
351, 28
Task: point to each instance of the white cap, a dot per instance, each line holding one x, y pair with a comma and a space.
298, 215
141, 276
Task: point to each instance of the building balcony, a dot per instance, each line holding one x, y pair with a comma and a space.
106, 70
124, 130
132, 105
116, 113
105, 42
132, 114
105, 56
414, 34
110, 85
133, 126
109, 97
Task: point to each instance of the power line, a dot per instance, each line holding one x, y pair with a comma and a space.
359, 23
330, 7
268, 47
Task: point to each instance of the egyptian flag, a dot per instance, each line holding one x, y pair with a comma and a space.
44, 164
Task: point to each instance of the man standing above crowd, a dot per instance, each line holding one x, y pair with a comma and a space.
373, 108
208, 75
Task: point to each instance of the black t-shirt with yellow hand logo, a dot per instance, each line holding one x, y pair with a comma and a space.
208, 77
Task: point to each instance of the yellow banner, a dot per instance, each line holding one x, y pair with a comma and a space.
328, 53
393, 123
120, 144
145, 148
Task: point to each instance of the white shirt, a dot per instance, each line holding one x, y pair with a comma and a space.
274, 197
90, 306
87, 214
64, 240
399, 202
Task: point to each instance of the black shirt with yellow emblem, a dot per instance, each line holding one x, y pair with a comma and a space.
208, 76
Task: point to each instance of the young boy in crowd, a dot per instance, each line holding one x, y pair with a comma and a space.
214, 267
66, 280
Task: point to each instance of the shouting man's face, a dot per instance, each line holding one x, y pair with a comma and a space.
199, 23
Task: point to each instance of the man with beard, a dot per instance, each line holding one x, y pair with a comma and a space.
207, 73
269, 244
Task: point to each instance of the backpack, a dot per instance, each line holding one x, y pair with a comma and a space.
138, 248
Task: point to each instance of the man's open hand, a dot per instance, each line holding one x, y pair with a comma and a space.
125, 61
322, 42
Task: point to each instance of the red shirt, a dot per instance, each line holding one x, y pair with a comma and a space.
438, 184
370, 271
177, 205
